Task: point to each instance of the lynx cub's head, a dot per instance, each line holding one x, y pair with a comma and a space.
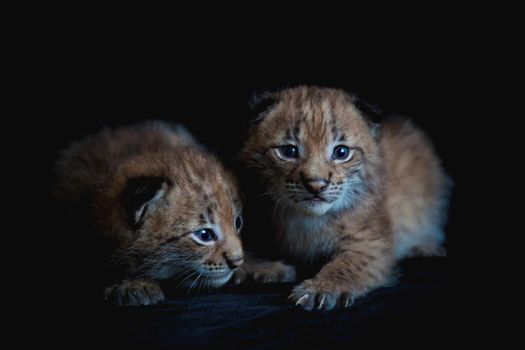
175, 214
169, 207
314, 150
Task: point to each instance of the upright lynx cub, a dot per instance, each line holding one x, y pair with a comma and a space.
168, 208
352, 194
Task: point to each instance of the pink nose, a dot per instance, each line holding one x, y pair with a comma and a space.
316, 186
234, 262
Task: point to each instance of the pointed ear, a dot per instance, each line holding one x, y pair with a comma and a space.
140, 195
372, 114
370, 110
261, 104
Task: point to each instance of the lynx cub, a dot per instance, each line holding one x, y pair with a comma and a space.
168, 208
355, 195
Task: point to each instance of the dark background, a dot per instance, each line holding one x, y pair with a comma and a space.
81, 90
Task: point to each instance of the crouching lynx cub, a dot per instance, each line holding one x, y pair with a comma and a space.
168, 208
352, 194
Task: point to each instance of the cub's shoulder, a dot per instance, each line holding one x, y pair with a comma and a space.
398, 132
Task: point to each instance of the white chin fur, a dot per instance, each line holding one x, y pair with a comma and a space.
212, 280
313, 208
217, 282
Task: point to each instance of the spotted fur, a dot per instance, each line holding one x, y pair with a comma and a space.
147, 188
386, 202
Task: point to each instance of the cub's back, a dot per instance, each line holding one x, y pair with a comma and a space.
417, 189
88, 162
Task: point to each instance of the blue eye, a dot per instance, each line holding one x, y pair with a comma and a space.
205, 235
238, 223
289, 151
342, 153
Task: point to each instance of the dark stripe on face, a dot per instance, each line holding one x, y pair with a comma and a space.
323, 130
296, 131
289, 134
210, 215
335, 133
333, 126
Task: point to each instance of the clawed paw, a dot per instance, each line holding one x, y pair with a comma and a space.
134, 293
312, 295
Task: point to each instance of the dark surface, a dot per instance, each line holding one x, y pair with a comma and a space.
415, 309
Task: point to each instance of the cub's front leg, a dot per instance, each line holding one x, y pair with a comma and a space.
134, 292
264, 271
363, 262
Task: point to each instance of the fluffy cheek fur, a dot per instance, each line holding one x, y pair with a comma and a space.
352, 190
180, 259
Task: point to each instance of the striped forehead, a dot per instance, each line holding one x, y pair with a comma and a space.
218, 203
317, 123
206, 189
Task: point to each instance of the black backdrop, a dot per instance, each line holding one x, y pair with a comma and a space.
85, 91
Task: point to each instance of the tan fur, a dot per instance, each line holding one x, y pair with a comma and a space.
264, 271
386, 202
416, 192
194, 192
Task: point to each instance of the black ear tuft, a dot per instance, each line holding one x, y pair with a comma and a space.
138, 194
260, 105
370, 111
373, 114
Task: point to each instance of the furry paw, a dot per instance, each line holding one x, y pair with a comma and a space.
314, 293
134, 292
265, 272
